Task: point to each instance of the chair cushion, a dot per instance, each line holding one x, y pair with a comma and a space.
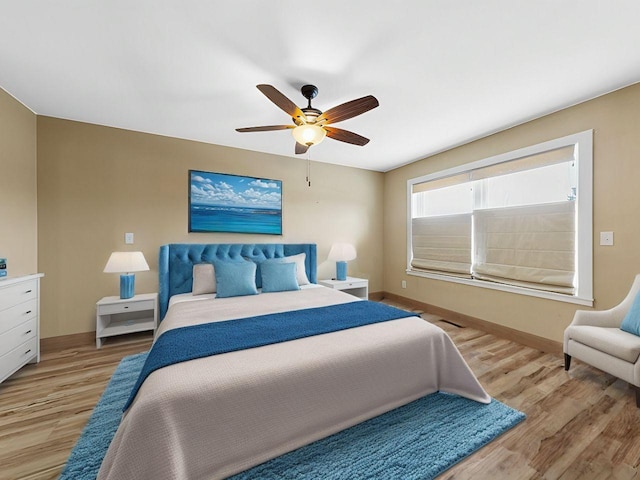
611, 341
631, 321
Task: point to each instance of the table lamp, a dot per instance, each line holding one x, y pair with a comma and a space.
342, 253
126, 263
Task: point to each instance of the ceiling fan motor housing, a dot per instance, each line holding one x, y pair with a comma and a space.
311, 113
309, 92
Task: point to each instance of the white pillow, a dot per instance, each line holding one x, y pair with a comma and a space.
204, 279
301, 271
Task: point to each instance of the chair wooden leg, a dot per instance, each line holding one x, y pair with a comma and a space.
567, 361
637, 390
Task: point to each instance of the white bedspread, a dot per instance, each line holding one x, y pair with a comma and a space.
213, 417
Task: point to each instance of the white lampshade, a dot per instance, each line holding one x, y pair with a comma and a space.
308, 134
126, 262
342, 252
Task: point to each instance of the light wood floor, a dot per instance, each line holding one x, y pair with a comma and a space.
580, 425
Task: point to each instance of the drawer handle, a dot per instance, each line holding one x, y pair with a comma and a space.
27, 312
28, 291
27, 351
27, 332
126, 307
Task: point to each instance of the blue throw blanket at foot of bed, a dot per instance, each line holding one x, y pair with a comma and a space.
198, 341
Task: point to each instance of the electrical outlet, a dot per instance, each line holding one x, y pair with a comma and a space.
404, 284
128, 238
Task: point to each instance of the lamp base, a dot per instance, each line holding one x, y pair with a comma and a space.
127, 285
341, 270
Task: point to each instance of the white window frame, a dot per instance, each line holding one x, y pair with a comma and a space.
583, 142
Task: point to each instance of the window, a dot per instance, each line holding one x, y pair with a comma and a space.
519, 222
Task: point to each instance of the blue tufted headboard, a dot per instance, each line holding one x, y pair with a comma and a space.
177, 259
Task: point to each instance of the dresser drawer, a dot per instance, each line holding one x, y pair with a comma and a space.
18, 357
18, 293
14, 316
124, 307
18, 335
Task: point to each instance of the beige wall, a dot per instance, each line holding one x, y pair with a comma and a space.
96, 183
615, 119
18, 195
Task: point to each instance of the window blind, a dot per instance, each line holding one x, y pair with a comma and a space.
442, 244
550, 157
531, 246
440, 183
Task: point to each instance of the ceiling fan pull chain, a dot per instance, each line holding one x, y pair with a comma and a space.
308, 168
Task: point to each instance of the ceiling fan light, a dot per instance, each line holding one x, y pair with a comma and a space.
309, 134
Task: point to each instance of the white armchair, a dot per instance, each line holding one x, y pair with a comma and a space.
594, 337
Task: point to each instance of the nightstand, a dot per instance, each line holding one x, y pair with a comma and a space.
358, 287
118, 316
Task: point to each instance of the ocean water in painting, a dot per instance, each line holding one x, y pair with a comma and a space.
220, 202
213, 218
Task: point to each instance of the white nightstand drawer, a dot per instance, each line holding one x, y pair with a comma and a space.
18, 335
16, 358
18, 293
355, 284
358, 287
134, 306
14, 316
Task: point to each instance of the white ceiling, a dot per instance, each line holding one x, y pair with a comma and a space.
444, 72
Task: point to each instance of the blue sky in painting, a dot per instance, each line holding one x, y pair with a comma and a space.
231, 190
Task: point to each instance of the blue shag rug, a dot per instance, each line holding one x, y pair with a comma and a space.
417, 441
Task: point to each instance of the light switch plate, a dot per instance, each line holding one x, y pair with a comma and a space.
128, 238
606, 238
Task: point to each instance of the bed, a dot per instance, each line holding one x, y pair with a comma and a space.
215, 416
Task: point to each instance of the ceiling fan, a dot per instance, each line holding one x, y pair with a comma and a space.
311, 124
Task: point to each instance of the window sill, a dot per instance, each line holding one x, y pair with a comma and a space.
559, 297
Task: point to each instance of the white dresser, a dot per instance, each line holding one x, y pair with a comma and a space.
19, 323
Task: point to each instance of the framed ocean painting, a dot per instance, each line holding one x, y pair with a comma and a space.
219, 202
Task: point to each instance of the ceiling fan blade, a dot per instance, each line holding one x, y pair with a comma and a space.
348, 110
301, 148
282, 102
346, 136
266, 128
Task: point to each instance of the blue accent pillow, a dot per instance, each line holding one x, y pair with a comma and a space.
279, 277
234, 279
299, 260
258, 270
631, 321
